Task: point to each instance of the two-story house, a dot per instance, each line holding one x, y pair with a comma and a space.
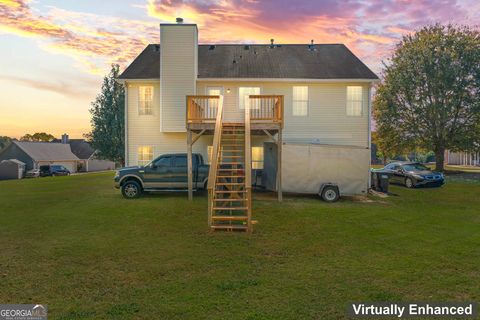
295, 93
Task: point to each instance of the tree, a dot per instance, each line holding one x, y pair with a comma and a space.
108, 129
4, 142
38, 137
429, 98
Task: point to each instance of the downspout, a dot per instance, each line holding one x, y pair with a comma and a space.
126, 124
369, 147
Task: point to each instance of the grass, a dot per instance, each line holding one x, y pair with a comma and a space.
74, 244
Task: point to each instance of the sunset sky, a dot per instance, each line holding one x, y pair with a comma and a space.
53, 54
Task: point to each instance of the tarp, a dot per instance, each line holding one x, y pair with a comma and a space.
305, 167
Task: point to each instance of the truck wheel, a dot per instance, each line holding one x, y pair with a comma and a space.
330, 194
131, 189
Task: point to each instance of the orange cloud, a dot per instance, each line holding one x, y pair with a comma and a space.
79, 35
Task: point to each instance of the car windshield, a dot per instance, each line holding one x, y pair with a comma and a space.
57, 167
415, 167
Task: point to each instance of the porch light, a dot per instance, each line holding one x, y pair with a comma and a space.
228, 90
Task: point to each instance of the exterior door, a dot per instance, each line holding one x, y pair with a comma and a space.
159, 173
213, 105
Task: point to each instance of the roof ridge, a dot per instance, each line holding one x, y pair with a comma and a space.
261, 44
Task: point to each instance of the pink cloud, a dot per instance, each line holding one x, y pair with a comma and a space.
369, 28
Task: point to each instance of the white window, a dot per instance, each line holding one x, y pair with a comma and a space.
300, 101
243, 95
354, 101
145, 155
214, 91
145, 100
257, 157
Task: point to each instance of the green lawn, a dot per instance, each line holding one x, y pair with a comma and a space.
74, 244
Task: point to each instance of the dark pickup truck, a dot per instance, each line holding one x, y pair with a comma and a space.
167, 172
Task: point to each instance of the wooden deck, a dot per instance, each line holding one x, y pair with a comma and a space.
266, 113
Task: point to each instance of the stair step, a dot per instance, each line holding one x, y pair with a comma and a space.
231, 145
230, 227
230, 176
222, 163
230, 191
229, 200
230, 183
230, 218
227, 156
230, 208
232, 169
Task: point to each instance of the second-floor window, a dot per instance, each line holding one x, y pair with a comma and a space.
354, 101
144, 155
300, 101
145, 100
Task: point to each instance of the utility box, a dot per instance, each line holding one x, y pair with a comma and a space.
306, 167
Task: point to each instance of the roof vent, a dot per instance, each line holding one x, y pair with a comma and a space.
311, 46
179, 20
211, 47
234, 61
246, 47
156, 48
271, 43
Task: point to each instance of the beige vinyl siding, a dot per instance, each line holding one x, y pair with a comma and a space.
327, 121
144, 130
178, 72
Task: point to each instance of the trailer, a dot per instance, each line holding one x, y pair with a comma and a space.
327, 170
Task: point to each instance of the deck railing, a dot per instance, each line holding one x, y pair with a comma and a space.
212, 173
263, 109
202, 109
266, 108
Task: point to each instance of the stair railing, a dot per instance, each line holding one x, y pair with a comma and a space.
248, 166
212, 173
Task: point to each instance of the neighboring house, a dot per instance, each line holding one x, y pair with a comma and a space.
462, 158
36, 154
325, 88
87, 155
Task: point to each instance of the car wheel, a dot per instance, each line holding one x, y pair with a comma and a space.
409, 183
131, 190
330, 194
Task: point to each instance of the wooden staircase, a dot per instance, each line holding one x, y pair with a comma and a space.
229, 185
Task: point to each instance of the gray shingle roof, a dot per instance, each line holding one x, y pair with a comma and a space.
292, 61
81, 148
46, 151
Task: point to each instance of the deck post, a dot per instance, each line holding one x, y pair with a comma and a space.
279, 166
189, 164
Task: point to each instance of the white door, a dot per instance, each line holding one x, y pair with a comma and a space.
244, 93
213, 104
